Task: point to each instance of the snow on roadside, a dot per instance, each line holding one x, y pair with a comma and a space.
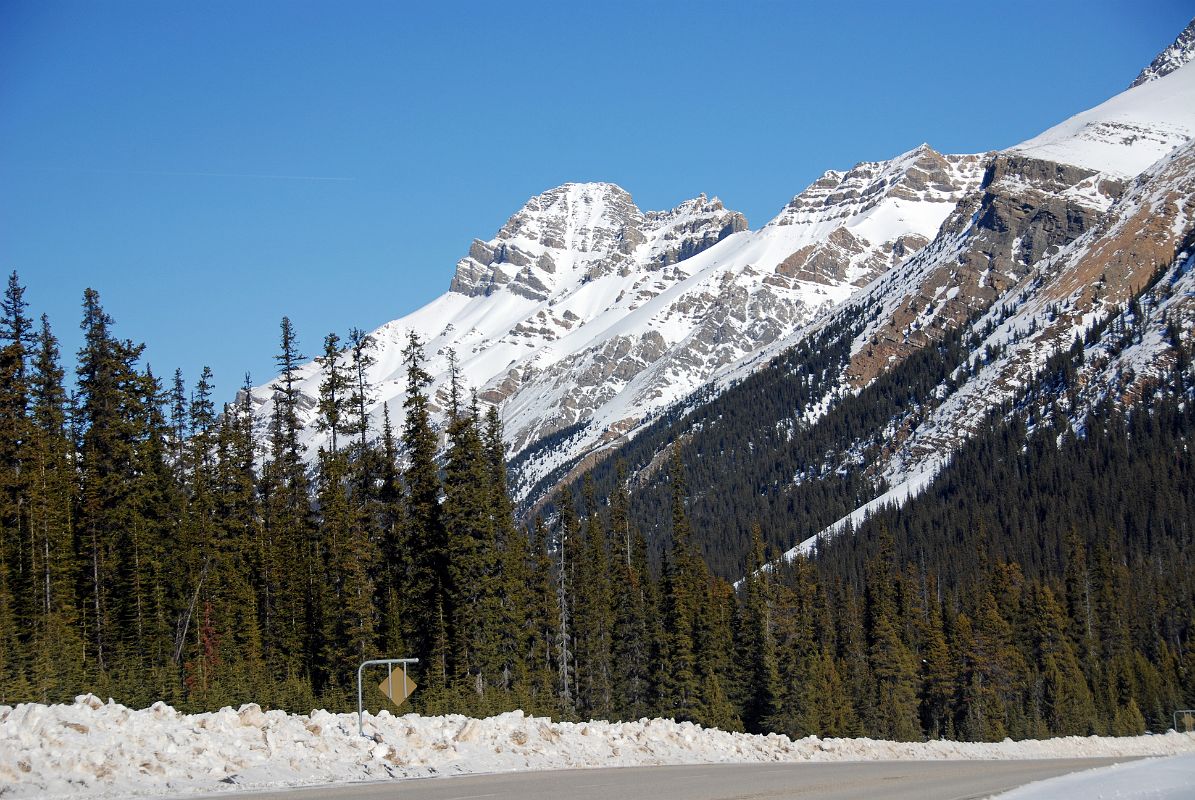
96, 749
1152, 779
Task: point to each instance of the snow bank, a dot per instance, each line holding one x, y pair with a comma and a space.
1153, 779
91, 748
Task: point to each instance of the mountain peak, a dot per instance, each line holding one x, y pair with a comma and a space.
920, 174
1170, 59
581, 231
573, 227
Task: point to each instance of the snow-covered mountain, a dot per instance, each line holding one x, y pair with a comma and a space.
1085, 233
584, 316
586, 313
1170, 59
1064, 232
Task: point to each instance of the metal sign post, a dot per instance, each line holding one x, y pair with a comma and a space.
1187, 717
389, 662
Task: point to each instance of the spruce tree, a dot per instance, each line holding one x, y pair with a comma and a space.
678, 681
107, 419
471, 591
392, 579
633, 595
361, 393
594, 617
1068, 707
238, 555
201, 559
542, 636
289, 569
14, 688
757, 646
514, 632
938, 672
57, 646
566, 540
15, 544
423, 542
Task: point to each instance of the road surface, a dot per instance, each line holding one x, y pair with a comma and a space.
891, 780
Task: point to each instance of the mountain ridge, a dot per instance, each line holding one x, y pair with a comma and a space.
584, 309
584, 318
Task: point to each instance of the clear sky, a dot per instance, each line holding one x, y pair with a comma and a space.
212, 166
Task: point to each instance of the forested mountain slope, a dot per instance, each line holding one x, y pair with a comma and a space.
874, 397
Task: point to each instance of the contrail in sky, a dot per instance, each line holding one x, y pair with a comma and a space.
174, 174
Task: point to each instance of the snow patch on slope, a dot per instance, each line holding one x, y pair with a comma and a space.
913, 485
1126, 134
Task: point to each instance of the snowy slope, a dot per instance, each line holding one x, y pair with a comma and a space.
91, 748
1127, 133
586, 310
1090, 280
1063, 231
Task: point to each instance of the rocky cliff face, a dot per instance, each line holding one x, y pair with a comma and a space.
585, 231
1024, 210
1042, 254
1090, 279
1176, 55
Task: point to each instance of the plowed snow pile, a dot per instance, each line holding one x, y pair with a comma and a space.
91, 748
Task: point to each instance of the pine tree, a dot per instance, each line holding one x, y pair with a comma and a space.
15, 543
566, 540
633, 598
238, 556
514, 633
288, 559
594, 614
471, 589
757, 645
678, 681
57, 647
107, 418
543, 618
423, 542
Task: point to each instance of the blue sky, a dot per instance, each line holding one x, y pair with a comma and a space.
212, 166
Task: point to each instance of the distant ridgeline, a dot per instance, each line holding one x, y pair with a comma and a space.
1044, 584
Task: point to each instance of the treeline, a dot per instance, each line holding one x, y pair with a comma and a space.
1043, 586
154, 549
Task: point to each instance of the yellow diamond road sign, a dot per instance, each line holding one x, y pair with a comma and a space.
397, 686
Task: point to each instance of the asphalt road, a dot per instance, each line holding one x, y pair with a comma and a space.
891, 780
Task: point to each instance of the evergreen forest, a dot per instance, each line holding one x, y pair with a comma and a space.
156, 547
